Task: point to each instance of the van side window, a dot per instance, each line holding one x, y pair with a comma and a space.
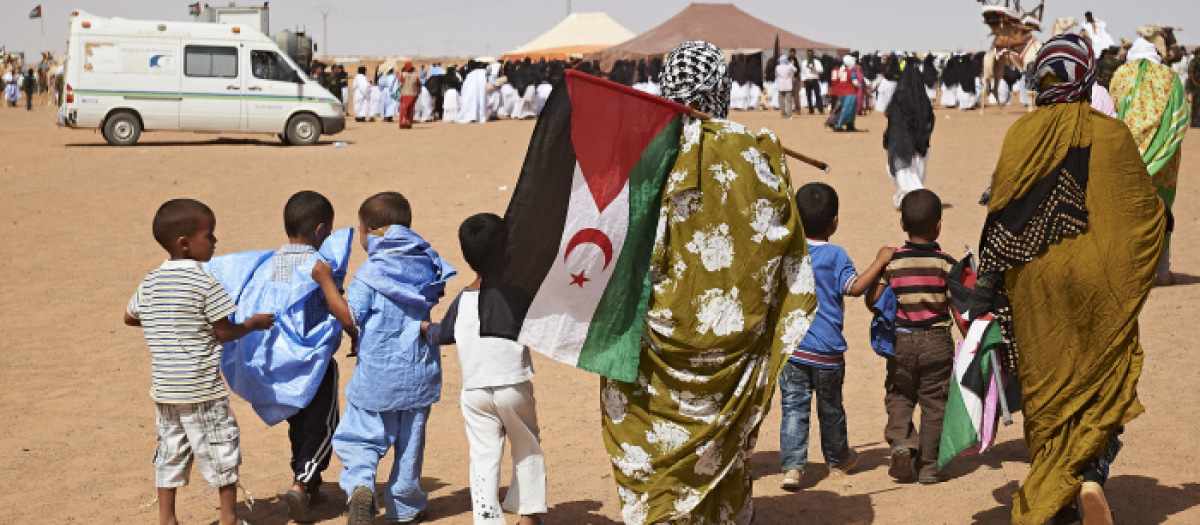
210, 61
267, 65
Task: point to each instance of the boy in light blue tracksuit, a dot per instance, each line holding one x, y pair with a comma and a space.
398, 374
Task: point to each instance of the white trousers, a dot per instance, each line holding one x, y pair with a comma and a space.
491, 414
909, 179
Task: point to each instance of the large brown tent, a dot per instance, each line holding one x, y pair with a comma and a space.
725, 25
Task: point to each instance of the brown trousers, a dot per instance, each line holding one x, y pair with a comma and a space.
919, 374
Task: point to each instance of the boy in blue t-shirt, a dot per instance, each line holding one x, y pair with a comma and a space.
817, 363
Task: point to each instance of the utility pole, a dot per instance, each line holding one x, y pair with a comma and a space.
325, 29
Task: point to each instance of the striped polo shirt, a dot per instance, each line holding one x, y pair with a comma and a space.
177, 304
918, 274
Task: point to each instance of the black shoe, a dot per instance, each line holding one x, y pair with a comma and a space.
851, 128
901, 468
298, 506
362, 506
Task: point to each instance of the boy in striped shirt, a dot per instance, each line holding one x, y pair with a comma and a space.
817, 364
920, 372
185, 315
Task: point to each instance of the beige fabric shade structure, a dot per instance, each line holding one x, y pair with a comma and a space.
724, 25
578, 33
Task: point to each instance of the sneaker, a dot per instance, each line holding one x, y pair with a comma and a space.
848, 465
362, 506
901, 468
298, 506
929, 480
1093, 507
791, 479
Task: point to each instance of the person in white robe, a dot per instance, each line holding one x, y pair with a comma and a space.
389, 87
473, 100
494, 98
525, 106
450, 105
362, 95
424, 109
1097, 32
508, 101
772, 94
1003, 93
883, 93
755, 99
739, 96
543, 94
375, 104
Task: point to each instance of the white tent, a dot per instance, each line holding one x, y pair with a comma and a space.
577, 33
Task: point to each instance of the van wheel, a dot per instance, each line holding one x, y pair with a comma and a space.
122, 129
303, 130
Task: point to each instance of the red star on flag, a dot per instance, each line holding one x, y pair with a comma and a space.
579, 278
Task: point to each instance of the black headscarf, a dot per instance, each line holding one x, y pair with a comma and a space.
910, 121
737, 70
966, 73
892, 72
828, 64
929, 73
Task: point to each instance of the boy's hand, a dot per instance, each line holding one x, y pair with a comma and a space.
322, 272
353, 347
260, 322
885, 253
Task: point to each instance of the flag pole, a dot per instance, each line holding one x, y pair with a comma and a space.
821, 165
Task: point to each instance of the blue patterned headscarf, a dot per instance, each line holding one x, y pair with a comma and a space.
1063, 71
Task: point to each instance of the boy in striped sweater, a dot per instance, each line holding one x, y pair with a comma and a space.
920, 372
185, 315
817, 365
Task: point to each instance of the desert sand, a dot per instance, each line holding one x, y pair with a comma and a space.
77, 427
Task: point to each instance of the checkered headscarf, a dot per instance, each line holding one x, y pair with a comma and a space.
695, 72
1063, 71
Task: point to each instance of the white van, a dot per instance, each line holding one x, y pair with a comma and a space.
128, 76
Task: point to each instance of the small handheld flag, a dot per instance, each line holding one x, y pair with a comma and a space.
36, 13
194, 9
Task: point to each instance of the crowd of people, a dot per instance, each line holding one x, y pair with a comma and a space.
1084, 171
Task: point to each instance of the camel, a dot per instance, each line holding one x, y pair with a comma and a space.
1163, 38
1064, 25
1013, 45
44, 74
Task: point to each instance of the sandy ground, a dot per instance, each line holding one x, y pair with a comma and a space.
77, 427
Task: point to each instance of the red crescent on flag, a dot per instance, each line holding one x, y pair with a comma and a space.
594, 236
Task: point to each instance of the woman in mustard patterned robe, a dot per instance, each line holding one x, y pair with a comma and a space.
733, 294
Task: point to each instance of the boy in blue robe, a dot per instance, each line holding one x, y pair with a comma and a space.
398, 375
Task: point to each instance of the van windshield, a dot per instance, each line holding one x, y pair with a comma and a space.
268, 65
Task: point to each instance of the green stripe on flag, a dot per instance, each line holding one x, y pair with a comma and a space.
613, 344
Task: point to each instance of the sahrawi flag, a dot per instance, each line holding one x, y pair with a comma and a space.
37, 12
582, 222
194, 9
969, 425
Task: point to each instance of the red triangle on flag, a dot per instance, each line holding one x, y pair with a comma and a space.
611, 125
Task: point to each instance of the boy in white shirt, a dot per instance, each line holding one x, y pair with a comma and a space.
497, 395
